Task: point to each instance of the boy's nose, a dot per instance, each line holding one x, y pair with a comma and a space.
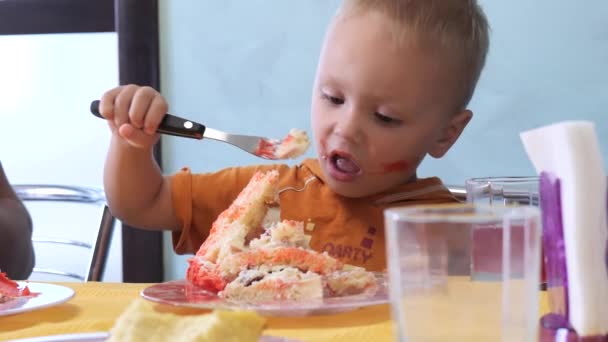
349, 127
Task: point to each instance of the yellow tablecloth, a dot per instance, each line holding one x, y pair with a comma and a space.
96, 306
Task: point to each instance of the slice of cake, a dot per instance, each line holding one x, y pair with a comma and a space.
232, 228
141, 322
350, 280
292, 146
251, 256
265, 284
10, 289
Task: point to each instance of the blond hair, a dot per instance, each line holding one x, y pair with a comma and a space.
457, 27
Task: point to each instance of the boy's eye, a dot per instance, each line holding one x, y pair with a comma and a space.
333, 99
386, 119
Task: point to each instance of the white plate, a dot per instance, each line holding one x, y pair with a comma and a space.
86, 337
183, 293
102, 336
48, 295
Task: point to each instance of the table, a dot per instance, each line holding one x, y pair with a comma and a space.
96, 306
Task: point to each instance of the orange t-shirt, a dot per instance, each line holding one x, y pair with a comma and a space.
349, 229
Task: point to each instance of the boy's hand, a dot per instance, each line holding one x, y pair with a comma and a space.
134, 113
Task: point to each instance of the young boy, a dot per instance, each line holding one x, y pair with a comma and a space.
392, 85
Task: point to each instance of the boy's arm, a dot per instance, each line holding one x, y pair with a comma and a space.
16, 249
136, 191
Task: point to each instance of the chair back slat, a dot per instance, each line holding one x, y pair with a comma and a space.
73, 194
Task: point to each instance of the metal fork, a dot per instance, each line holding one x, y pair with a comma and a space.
176, 126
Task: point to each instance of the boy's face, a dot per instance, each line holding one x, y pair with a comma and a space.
379, 108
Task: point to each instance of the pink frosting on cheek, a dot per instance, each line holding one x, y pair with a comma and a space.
397, 166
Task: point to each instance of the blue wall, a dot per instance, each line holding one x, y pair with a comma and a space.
248, 67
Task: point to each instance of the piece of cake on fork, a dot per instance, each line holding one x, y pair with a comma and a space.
251, 256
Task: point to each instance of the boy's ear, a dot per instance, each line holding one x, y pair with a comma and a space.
451, 133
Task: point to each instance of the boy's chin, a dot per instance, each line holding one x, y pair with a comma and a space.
366, 188
351, 190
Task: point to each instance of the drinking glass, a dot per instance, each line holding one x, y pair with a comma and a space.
431, 261
501, 191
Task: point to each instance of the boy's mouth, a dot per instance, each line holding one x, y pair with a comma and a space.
342, 166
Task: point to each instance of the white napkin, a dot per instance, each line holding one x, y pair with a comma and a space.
570, 150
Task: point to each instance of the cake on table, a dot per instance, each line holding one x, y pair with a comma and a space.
10, 289
250, 255
141, 321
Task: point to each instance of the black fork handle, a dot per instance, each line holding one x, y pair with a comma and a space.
171, 124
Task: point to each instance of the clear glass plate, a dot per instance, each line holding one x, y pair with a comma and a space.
183, 293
